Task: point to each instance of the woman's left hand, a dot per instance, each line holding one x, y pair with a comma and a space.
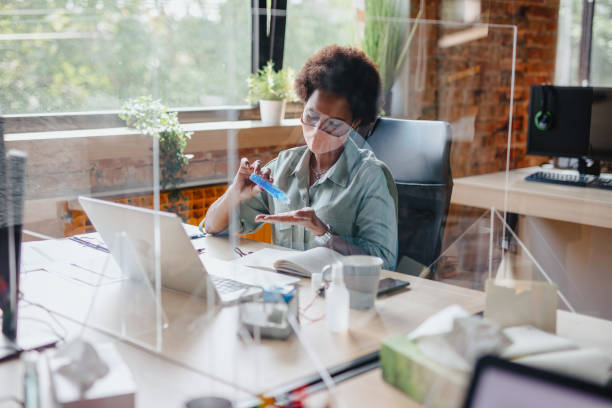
305, 217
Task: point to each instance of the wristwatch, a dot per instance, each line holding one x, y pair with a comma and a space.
325, 237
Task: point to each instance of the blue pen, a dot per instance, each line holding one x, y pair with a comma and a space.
270, 188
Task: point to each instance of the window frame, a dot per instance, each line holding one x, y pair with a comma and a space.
262, 45
586, 42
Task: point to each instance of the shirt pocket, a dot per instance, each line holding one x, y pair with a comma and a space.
282, 234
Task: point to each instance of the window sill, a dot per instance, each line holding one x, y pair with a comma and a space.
196, 128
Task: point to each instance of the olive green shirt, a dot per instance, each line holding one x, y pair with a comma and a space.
356, 197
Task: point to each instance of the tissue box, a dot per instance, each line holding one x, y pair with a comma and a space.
116, 389
419, 377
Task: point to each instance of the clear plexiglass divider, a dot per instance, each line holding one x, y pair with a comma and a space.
91, 250
450, 91
129, 271
490, 250
486, 257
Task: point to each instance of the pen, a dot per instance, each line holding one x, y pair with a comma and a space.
242, 253
196, 236
89, 244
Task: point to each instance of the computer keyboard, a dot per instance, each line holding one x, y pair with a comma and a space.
570, 179
224, 285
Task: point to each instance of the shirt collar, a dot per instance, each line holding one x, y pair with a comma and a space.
302, 167
339, 172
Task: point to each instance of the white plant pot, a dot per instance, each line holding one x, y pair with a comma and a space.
272, 112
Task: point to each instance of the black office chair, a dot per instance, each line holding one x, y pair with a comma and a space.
418, 154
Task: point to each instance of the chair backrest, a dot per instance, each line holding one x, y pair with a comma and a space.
417, 153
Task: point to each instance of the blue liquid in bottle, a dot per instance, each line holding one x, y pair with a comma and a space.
270, 188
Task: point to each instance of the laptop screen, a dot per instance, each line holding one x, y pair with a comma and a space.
504, 385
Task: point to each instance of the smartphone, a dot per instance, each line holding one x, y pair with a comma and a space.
386, 285
389, 285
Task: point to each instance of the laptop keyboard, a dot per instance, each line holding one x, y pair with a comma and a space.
224, 285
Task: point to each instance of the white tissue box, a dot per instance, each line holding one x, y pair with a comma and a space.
116, 389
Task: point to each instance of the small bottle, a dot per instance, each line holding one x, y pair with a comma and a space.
31, 392
337, 302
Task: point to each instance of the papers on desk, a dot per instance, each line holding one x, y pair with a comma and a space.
297, 263
240, 273
36, 255
589, 364
86, 265
93, 277
527, 340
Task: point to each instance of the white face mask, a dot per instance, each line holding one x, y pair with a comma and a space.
320, 142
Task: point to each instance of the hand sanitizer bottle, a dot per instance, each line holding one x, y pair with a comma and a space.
337, 302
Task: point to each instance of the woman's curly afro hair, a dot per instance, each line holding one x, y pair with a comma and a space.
345, 71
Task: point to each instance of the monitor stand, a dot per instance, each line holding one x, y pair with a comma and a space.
589, 167
32, 334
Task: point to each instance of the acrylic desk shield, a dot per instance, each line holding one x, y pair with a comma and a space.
444, 73
67, 266
451, 83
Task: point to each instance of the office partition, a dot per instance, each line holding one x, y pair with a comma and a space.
103, 265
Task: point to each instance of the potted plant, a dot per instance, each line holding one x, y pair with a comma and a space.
272, 89
153, 119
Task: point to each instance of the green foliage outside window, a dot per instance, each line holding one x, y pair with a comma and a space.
155, 120
83, 55
601, 59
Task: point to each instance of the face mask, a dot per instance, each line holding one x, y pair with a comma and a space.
320, 142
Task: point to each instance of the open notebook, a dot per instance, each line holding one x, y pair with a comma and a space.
292, 262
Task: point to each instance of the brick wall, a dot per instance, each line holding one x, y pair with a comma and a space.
473, 80
62, 168
468, 85
536, 21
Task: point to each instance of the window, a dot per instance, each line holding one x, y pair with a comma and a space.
313, 24
601, 52
92, 55
572, 29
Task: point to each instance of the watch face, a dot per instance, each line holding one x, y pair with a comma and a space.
323, 239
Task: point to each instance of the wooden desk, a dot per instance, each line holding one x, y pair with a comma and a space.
568, 230
584, 330
160, 382
209, 341
589, 206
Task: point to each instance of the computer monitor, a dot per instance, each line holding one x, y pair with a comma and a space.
567, 121
600, 140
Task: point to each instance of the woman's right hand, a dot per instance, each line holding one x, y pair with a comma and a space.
244, 187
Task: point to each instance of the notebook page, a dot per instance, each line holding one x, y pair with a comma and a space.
313, 260
264, 258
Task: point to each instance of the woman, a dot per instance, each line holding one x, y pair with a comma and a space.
341, 196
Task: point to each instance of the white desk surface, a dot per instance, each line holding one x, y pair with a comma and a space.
584, 330
580, 205
202, 353
160, 382
209, 342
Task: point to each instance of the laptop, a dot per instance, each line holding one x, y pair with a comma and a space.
500, 383
129, 233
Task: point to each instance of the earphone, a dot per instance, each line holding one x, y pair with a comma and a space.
543, 118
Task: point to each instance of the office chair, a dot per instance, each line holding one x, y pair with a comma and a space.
417, 153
